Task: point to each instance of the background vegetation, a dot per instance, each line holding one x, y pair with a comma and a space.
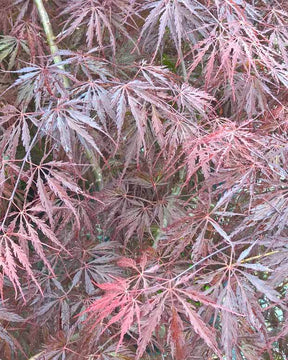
143, 179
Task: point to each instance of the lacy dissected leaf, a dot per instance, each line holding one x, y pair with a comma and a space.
12, 255
39, 83
97, 17
17, 122
182, 18
10, 47
117, 295
96, 265
67, 120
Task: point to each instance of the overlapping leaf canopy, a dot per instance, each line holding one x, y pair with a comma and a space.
143, 197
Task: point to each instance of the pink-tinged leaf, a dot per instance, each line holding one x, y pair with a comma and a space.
89, 287
10, 316
126, 263
245, 253
177, 336
118, 100
158, 126
256, 267
82, 133
220, 230
46, 231
152, 269
118, 286
203, 330
25, 135
76, 279
45, 200
138, 112
37, 244
58, 190
67, 182
147, 329
263, 287
65, 315
194, 99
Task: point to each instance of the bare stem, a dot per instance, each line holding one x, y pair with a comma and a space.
48, 30
45, 20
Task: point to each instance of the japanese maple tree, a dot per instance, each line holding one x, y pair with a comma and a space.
143, 179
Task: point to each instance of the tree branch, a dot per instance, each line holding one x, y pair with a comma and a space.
45, 20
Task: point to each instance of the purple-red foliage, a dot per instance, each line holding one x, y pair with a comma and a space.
143, 197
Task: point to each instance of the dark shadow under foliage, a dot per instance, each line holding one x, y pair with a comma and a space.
143, 179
